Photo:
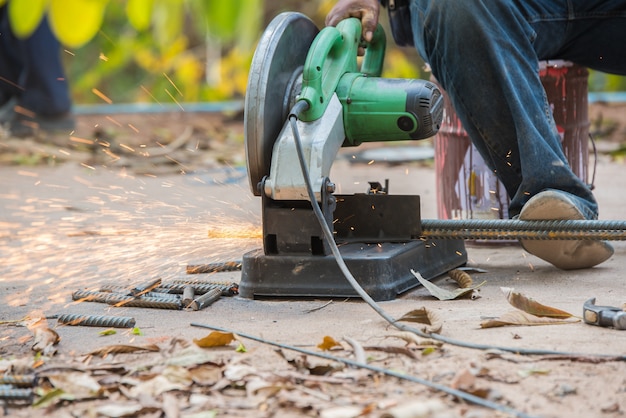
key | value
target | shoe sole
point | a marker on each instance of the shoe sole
(563, 254)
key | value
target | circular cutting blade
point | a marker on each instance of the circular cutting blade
(273, 83)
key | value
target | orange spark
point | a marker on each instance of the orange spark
(101, 95)
(173, 85)
(175, 101)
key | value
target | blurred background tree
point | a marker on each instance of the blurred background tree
(165, 51)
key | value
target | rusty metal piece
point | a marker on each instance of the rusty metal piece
(205, 300)
(202, 287)
(144, 287)
(462, 278)
(129, 301)
(97, 321)
(189, 294)
(13, 394)
(216, 267)
(19, 380)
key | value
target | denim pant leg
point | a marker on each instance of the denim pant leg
(485, 55)
(46, 89)
(32, 69)
(10, 65)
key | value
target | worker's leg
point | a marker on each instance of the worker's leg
(32, 76)
(485, 54)
(10, 66)
(46, 90)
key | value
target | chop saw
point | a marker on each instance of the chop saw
(341, 101)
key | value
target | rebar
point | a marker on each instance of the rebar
(97, 321)
(145, 287)
(205, 300)
(18, 380)
(216, 267)
(189, 293)
(129, 301)
(12, 394)
(156, 293)
(200, 287)
(505, 229)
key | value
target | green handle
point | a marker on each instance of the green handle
(374, 57)
(333, 53)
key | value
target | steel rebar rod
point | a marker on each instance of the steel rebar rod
(505, 229)
(97, 321)
(200, 287)
(216, 267)
(126, 301)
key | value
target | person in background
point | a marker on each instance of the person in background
(34, 93)
(485, 54)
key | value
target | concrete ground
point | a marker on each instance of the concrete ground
(74, 227)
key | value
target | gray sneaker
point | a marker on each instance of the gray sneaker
(564, 254)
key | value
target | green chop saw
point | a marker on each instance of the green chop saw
(342, 104)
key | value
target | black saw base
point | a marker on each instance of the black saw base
(383, 270)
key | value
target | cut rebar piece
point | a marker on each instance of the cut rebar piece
(189, 294)
(129, 301)
(201, 287)
(216, 267)
(16, 395)
(506, 229)
(155, 293)
(145, 287)
(205, 300)
(18, 380)
(97, 321)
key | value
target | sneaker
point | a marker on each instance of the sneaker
(26, 124)
(564, 254)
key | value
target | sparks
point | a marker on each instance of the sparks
(101, 95)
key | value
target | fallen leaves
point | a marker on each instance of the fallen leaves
(530, 312)
(45, 339)
(445, 294)
(431, 321)
(124, 349)
(531, 306)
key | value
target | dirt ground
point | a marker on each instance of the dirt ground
(131, 198)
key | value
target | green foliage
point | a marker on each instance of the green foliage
(177, 55)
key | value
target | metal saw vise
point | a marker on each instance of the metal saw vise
(378, 234)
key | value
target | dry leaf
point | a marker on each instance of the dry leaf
(444, 294)
(75, 385)
(123, 349)
(532, 307)
(431, 319)
(328, 343)
(126, 409)
(462, 278)
(45, 338)
(523, 318)
(432, 408)
(191, 356)
(215, 339)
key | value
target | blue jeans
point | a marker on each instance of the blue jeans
(486, 53)
(31, 69)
